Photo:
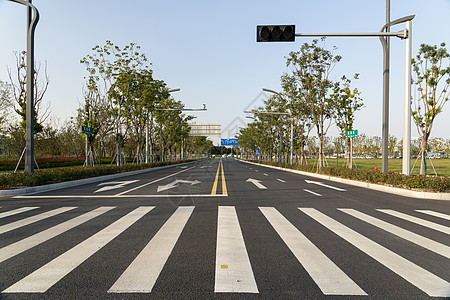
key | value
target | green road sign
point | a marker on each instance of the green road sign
(351, 133)
(86, 130)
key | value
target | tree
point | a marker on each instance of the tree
(311, 67)
(6, 103)
(114, 74)
(20, 93)
(432, 78)
(300, 113)
(347, 102)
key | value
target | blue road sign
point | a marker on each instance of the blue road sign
(229, 142)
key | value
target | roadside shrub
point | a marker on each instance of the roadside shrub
(424, 183)
(42, 177)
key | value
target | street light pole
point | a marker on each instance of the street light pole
(407, 104)
(32, 20)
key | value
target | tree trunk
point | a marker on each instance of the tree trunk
(423, 159)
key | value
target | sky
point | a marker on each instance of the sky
(209, 50)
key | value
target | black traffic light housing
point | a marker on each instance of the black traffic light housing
(275, 33)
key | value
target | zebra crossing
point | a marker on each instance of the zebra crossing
(234, 271)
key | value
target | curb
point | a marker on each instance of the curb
(62, 185)
(367, 185)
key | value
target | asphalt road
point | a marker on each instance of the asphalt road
(221, 228)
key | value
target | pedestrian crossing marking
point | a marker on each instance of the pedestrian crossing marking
(142, 273)
(421, 278)
(45, 277)
(233, 269)
(405, 234)
(16, 211)
(416, 220)
(435, 214)
(329, 278)
(231, 251)
(34, 219)
(34, 240)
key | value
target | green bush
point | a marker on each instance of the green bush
(42, 177)
(424, 183)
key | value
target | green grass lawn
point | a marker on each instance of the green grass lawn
(442, 165)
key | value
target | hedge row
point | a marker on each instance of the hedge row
(424, 183)
(42, 177)
(45, 163)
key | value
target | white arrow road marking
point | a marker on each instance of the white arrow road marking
(311, 192)
(175, 184)
(116, 185)
(257, 183)
(325, 185)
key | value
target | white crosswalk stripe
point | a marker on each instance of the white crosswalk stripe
(405, 234)
(330, 279)
(42, 279)
(141, 275)
(234, 272)
(416, 220)
(33, 219)
(34, 240)
(421, 278)
(435, 214)
(16, 211)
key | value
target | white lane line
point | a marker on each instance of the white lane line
(280, 180)
(154, 181)
(33, 219)
(434, 214)
(404, 234)
(45, 277)
(421, 278)
(142, 273)
(416, 220)
(311, 192)
(329, 278)
(234, 272)
(256, 171)
(265, 174)
(16, 211)
(34, 240)
(325, 185)
(121, 196)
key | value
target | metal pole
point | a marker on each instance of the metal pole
(385, 124)
(407, 103)
(351, 153)
(87, 148)
(31, 26)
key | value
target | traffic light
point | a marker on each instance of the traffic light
(275, 33)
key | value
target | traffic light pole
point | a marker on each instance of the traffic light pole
(272, 34)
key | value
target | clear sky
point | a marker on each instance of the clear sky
(209, 49)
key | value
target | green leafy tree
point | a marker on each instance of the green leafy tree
(347, 101)
(311, 67)
(432, 77)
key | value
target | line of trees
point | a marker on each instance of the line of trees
(315, 102)
(122, 100)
